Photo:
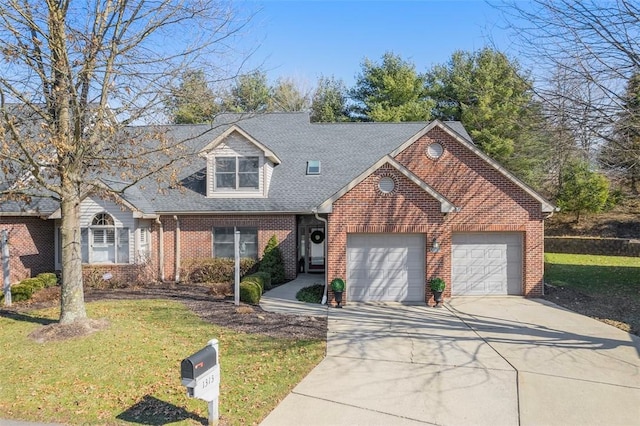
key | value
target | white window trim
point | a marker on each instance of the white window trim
(237, 175)
(116, 240)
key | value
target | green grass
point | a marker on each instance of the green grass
(130, 372)
(311, 294)
(594, 275)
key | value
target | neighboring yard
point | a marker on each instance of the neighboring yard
(130, 372)
(603, 287)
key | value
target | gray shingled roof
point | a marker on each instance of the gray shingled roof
(345, 150)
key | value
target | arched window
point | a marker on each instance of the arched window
(102, 219)
(104, 242)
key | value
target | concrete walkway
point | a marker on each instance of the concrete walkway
(282, 299)
(479, 361)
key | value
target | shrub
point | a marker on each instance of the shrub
(255, 279)
(215, 270)
(35, 283)
(266, 279)
(49, 279)
(250, 292)
(20, 292)
(437, 284)
(337, 285)
(272, 262)
(311, 294)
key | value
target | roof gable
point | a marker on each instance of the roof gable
(236, 129)
(546, 205)
(446, 206)
(139, 210)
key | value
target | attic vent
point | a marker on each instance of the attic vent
(386, 184)
(435, 151)
(313, 167)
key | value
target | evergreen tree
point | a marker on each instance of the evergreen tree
(250, 93)
(329, 104)
(193, 101)
(272, 261)
(390, 91)
(582, 190)
(493, 98)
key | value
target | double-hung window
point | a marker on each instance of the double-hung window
(103, 242)
(237, 173)
(223, 242)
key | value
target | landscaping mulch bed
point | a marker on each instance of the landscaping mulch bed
(616, 310)
(216, 309)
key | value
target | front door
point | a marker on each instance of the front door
(312, 248)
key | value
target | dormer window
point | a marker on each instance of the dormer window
(313, 167)
(237, 173)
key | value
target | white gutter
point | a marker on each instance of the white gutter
(160, 249)
(326, 257)
(177, 271)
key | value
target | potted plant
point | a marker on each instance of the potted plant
(337, 285)
(437, 288)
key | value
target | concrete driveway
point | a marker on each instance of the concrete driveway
(478, 361)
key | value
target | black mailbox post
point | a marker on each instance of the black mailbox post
(199, 363)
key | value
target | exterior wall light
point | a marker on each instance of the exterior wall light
(435, 246)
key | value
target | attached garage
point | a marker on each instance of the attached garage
(486, 263)
(386, 267)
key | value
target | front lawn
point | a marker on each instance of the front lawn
(130, 372)
(596, 275)
(603, 287)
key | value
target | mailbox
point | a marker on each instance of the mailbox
(201, 373)
(199, 363)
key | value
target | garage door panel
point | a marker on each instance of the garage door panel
(396, 274)
(486, 263)
(357, 256)
(394, 265)
(359, 274)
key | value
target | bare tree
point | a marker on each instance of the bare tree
(73, 75)
(593, 45)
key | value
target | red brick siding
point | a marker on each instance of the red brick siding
(196, 237)
(31, 246)
(488, 200)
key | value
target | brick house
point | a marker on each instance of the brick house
(387, 206)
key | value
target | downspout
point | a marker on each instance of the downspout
(326, 253)
(160, 249)
(177, 274)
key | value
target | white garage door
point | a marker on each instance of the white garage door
(486, 263)
(385, 267)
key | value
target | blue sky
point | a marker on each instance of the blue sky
(304, 39)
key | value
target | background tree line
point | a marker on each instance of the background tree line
(539, 138)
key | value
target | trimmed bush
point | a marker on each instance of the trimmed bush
(272, 261)
(20, 292)
(266, 279)
(50, 279)
(35, 283)
(311, 294)
(250, 292)
(253, 278)
(215, 270)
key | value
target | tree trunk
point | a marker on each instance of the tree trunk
(72, 297)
